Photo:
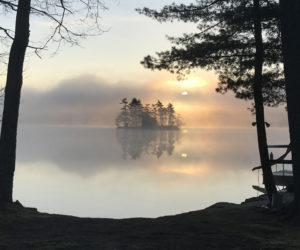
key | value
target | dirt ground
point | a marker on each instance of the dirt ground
(221, 226)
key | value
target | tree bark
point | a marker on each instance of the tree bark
(12, 100)
(259, 105)
(290, 20)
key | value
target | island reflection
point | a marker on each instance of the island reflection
(166, 171)
(135, 142)
(90, 151)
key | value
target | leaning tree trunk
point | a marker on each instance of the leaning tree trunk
(12, 100)
(259, 105)
(290, 19)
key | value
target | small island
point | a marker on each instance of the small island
(135, 115)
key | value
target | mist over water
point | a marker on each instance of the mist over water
(119, 173)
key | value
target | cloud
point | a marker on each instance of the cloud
(85, 100)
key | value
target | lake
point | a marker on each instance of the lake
(96, 172)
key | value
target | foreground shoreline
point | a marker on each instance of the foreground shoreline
(220, 226)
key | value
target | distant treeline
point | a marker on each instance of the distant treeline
(136, 115)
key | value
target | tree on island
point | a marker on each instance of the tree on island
(154, 116)
(59, 14)
(240, 41)
(136, 110)
(171, 118)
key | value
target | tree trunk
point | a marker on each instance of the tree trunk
(259, 105)
(290, 19)
(12, 100)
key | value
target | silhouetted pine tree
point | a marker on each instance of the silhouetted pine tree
(240, 40)
(161, 112)
(171, 115)
(291, 51)
(123, 120)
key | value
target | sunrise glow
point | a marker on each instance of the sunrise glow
(194, 82)
(126, 124)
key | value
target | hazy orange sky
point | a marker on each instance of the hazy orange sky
(83, 85)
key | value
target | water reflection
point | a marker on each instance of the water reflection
(135, 142)
(165, 172)
(87, 151)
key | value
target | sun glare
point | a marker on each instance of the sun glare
(192, 82)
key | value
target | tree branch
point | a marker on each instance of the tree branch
(13, 6)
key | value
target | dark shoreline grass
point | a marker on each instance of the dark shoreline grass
(221, 226)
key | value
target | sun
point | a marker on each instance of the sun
(189, 85)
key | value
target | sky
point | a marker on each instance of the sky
(83, 85)
(68, 95)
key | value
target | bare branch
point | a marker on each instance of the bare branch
(62, 14)
(11, 5)
(6, 31)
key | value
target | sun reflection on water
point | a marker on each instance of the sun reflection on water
(184, 155)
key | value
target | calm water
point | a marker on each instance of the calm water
(117, 173)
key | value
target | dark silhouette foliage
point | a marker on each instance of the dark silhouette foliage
(240, 40)
(154, 116)
(290, 19)
(224, 43)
